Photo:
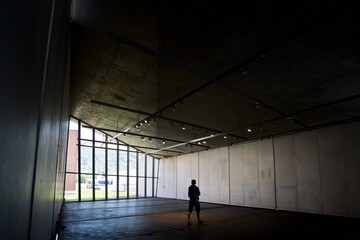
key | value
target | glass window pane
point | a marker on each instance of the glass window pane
(85, 132)
(141, 164)
(100, 187)
(86, 159)
(112, 187)
(86, 143)
(99, 161)
(141, 186)
(122, 187)
(112, 146)
(71, 187)
(74, 124)
(86, 187)
(72, 151)
(149, 187)
(100, 145)
(132, 187)
(122, 147)
(132, 164)
(122, 163)
(112, 162)
(149, 166)
(99, 136)
(156, 167)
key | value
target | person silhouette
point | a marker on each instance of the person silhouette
(193, 194)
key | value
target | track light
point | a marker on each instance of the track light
(150, 139)
(249, 130)
(199, 143)
(183, 127)
(173, 109)
(257, 104)
(204, 142)
(225, 136)
(142, 138)
(290, 119)
(212, 134)
(163, 141)
(145, 121)
(242, 71)
(141, 123)
(136, 126)
(264, 57)
(138, 129)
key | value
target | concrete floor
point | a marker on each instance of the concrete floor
(159, 218)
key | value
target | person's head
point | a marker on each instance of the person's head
(193, 182)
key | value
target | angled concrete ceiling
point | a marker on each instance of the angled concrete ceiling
(214, 69)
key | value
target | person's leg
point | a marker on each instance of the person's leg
(189, 212)
(197, 207)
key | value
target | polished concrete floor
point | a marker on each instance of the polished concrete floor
(159, 218)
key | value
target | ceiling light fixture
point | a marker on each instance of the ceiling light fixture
(141, 123)
(199, 142)
(183, 127)
(249, 130)
(225, 136)
(145, 121)
(204, 141)
(242, 71)
(290, 119)
(150, 139)
(163, 141)
(142, 138)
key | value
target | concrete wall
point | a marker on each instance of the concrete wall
(315, 172)
(34, 116)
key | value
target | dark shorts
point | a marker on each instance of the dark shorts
(197, 207)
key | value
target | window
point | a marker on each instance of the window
(98, 167)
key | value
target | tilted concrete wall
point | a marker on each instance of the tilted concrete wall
(315, 172)
(34, 119)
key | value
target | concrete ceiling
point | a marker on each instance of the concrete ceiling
(273, 67)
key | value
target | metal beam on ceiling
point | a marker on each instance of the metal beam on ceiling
(147, 136)
(160, 117)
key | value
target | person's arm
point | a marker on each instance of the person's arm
(189, 192)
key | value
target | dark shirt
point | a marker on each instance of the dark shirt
(194, 194)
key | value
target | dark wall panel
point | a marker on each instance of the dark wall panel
(24, 27)
(50, 137)
(29, 146)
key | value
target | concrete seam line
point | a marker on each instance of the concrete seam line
(39, 117)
